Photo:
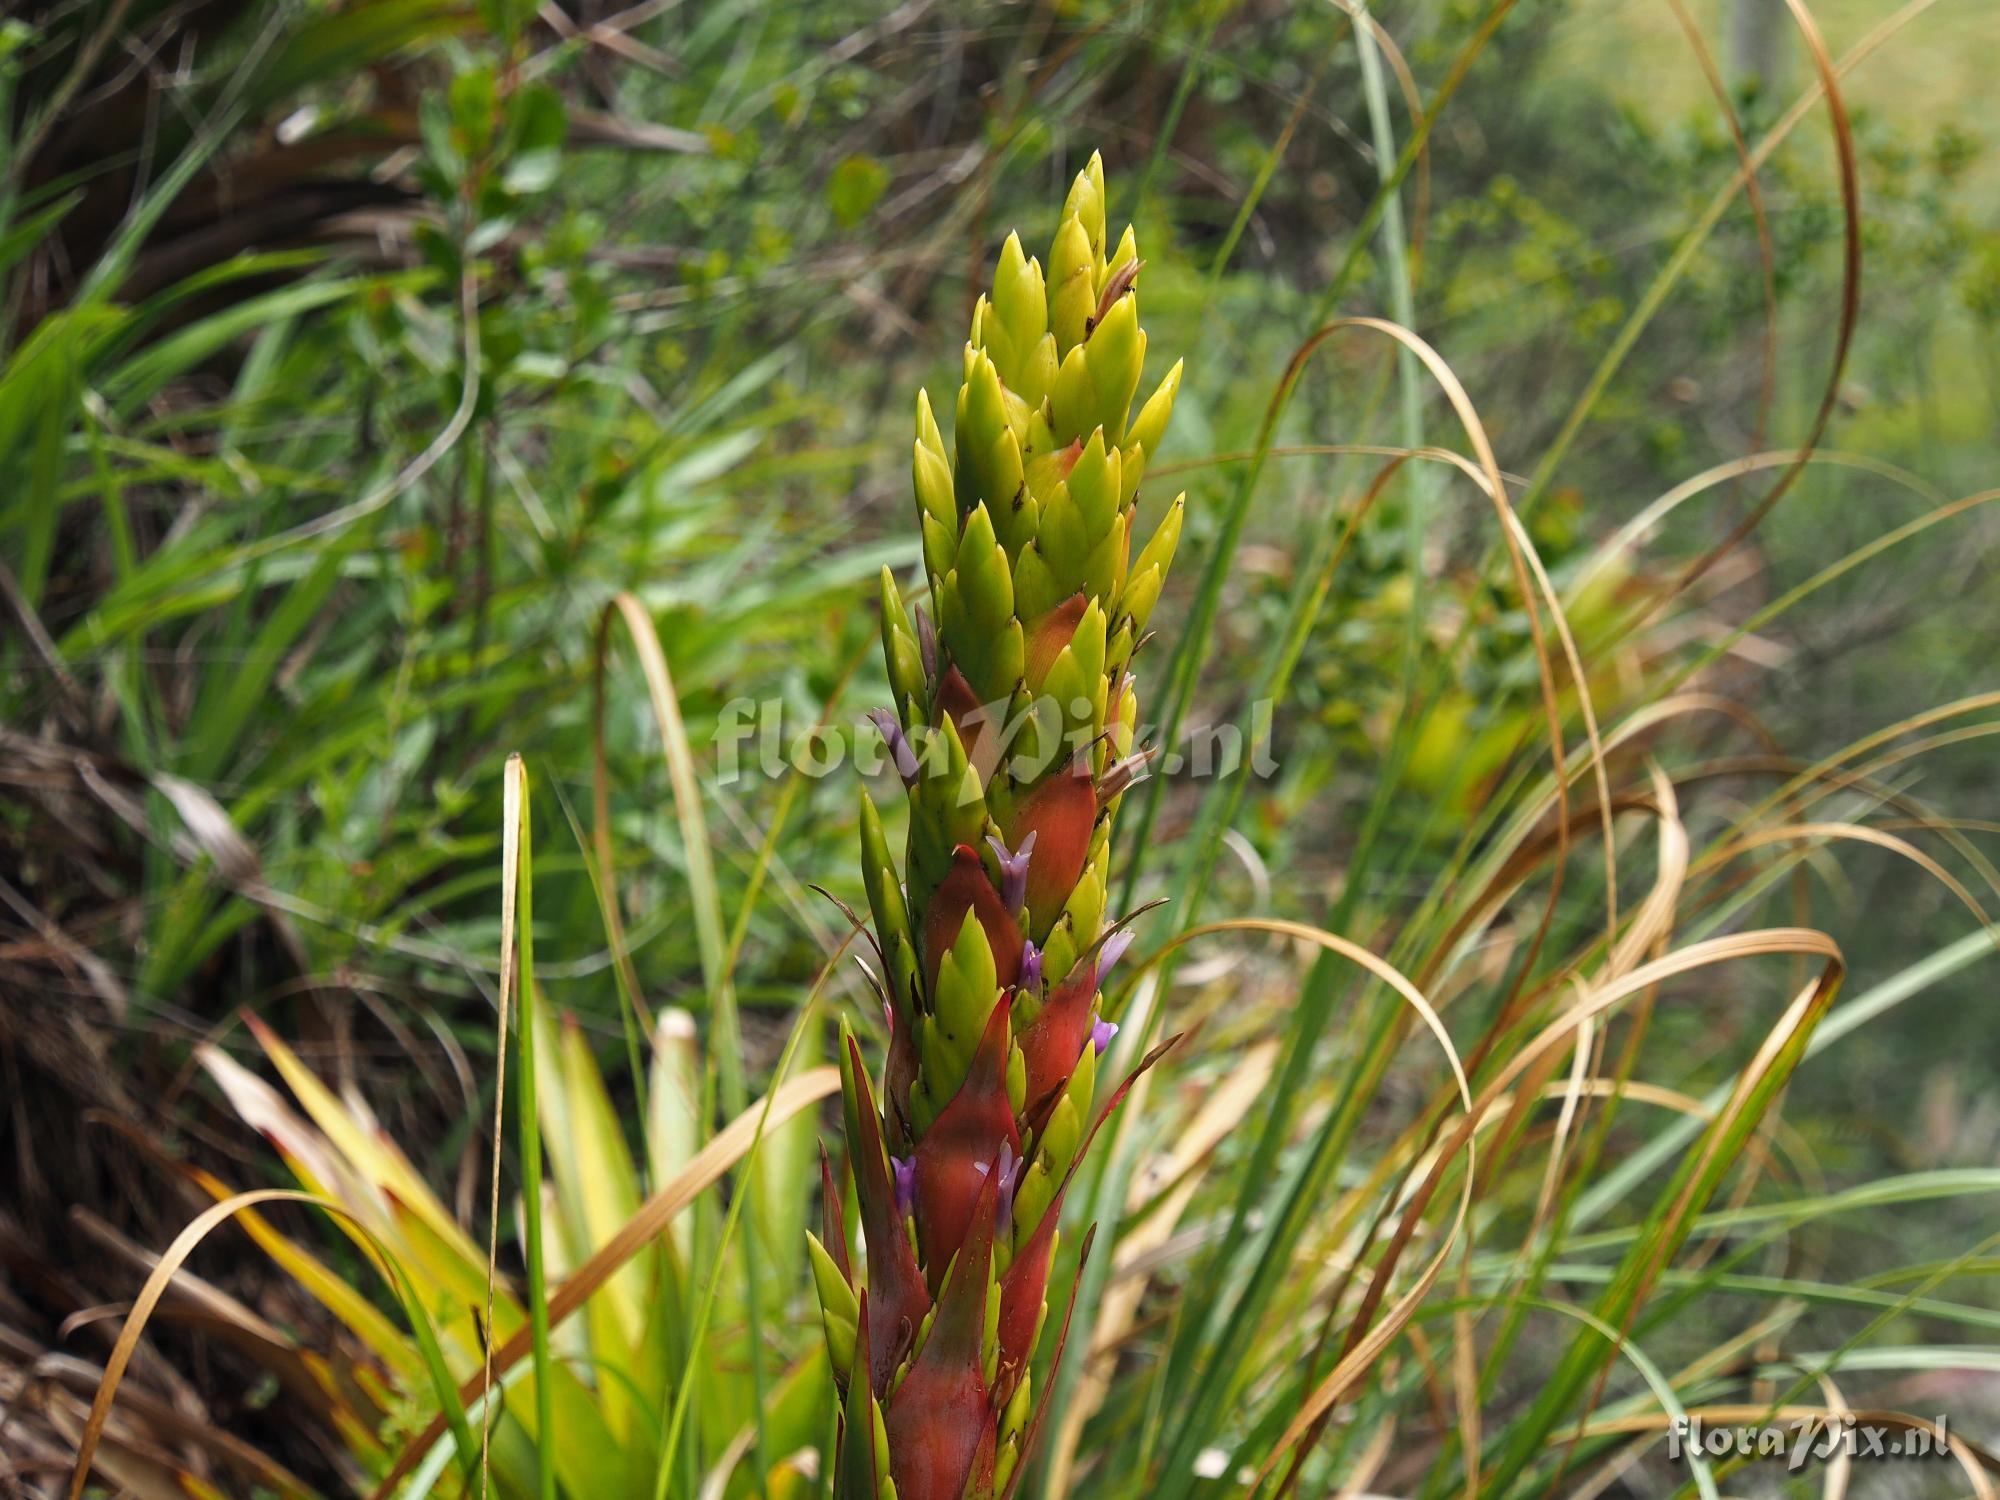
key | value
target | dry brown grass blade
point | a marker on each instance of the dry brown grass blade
(130, 1456)
(1572, 1095)
(1628, 536)
(1918, 817)
(149, 1298)
(1413, 101)
(1330, 450)
(81, 1378)
(1681, 705)
(1829, 771)
(1860, 833)
(1496, 1112)
(1762, 943)
(1168, 1184)
(1364, 1350)
(1573, 658)
(1754, 194)
(193, 1302)
(1652, 925)
(1531, 844)
(1368, 1462)
(1850, 288)
(1370, 1337)
(1788, 1035)
(1380, 967)
(1369, 1345)
(1519, 551)
(1838, 1471)
(728, 1146)
(1637, 1091)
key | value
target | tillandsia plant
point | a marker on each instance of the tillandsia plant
(1013, 731)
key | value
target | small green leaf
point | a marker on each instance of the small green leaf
(533, 171)
(855, 187)
(475, 101)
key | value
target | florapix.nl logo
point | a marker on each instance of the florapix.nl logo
(1814, 1439)
(771, 738)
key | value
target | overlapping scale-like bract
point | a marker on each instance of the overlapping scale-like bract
(1013, 731)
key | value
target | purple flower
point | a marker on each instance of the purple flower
(1113, 950)
(1013, 872)
(905, 1171)
(1101, 1034)
(899, 745)
(1031, 967)
(1010, 1177)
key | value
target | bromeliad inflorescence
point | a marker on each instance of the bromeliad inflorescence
(1013, 731)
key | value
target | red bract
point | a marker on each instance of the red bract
(1022, 1290)
(978, 729)
(1047, 636)
(1061, 814)
(954, 1167)
(941, 1434)
(966, 888)
(899, 1298)
(1051, 1046)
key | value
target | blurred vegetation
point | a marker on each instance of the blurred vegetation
(357, 357)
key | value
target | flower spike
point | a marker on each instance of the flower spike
(1015, 685)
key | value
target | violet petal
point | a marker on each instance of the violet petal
(1101, 1035)
(1013, 872)
(898, 743)
(1031, 967)
(1010, 1177)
